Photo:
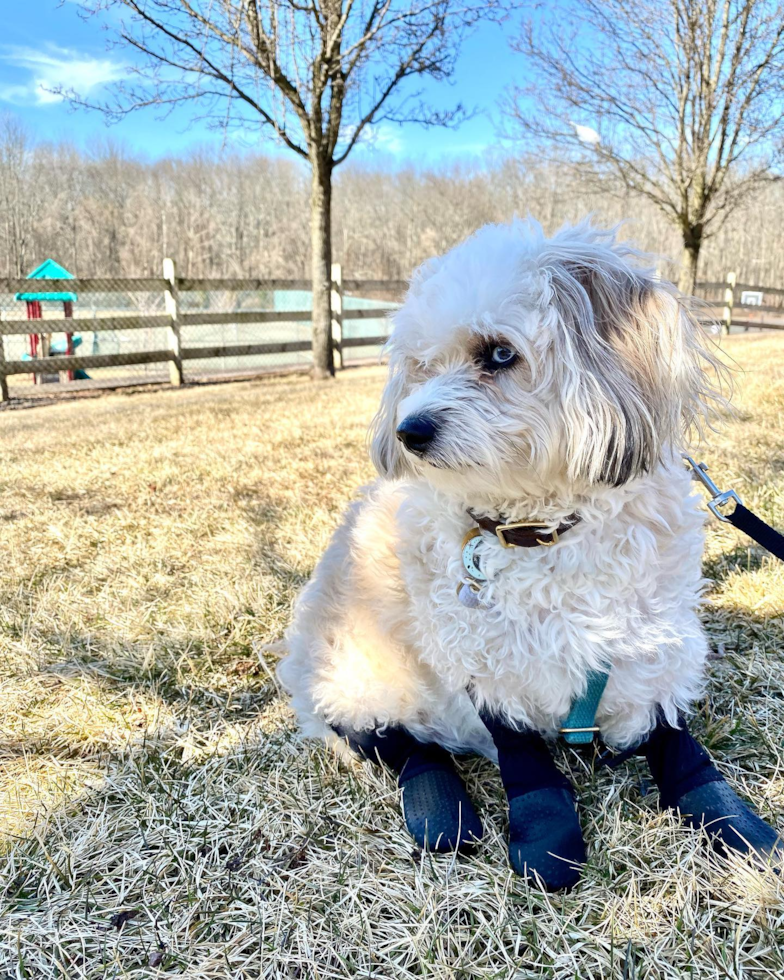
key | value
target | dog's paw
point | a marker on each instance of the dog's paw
(438, 812)
(545, 840)
(731, 823)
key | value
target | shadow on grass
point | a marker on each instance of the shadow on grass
(108, 700)
(741, 558)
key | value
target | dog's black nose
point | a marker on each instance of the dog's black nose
(417, 432)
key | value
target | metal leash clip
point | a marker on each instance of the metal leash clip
(719, 498)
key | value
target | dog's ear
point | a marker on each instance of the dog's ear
(635, 359)
(385, 452)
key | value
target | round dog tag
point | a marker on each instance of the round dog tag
(468, 597)
(470, 556)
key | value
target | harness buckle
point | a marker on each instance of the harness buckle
(576, 731)
(503, 528)
(719, 498)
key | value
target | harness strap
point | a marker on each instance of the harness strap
(580, 724)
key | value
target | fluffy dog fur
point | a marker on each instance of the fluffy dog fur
(610, 377)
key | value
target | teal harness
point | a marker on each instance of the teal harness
(580, 726)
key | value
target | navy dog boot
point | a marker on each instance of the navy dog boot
(436, 807)
(545, 840)
(690, 783)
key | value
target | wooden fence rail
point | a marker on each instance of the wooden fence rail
(9, 328)
(76, 362)
(84, 285)
(176, 352)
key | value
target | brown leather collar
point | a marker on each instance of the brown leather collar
(526, 534)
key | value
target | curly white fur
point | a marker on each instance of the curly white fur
(610, 375)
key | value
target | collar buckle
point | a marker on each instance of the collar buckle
(503, 528)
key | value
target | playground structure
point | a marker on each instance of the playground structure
(40, 341)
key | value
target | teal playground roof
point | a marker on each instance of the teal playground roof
(49, 270)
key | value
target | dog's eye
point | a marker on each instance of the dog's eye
(494, 357)
(502, 355)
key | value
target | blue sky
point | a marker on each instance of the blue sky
(46, 43)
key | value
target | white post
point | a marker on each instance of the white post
(172, 301)
(337, 312)
(729, 301)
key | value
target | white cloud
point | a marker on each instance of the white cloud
(14, 93)
(52, 68)
(386, 138)
(586, 135)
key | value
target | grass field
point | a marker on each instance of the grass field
(159, 816)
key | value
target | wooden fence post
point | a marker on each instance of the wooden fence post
(729, 301)
(337, 312)
(172, 303)
(3, 376)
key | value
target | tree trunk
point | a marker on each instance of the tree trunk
(321, 264)
(692, 243)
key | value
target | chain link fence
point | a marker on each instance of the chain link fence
(109, 325)
(73, 334)
(367, 308)
(214, 318)
(64, 334)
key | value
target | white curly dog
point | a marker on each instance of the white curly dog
(532, 528)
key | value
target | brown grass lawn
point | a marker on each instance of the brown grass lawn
(159, 815)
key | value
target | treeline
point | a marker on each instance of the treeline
(106, 212)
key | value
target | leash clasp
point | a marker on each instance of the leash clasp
(719, 498)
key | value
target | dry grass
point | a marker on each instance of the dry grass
(160, 817)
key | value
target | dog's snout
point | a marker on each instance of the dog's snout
(416, 432)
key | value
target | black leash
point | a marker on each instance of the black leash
(741, 517)
(762, 533)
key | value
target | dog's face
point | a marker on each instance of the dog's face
(521, 362)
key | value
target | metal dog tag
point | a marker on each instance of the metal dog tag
(468, 597)
(470, 557)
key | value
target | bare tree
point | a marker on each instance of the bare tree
(20, 197)
(314, 74)
(681, 101)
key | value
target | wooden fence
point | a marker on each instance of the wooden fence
(175, 353)
(733, 303)
(743, 305)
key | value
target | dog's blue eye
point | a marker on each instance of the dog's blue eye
(494, 357)
(502, 355)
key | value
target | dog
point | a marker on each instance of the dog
(532, 531)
